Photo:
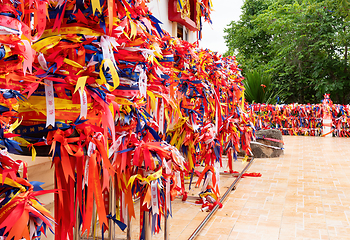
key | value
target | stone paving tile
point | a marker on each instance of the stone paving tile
(304, 194)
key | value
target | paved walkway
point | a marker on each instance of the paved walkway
(305, 194)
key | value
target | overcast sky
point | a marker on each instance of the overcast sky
(224, 12)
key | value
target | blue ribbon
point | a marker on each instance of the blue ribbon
(156, 23)
(37, 185)
(120, 224)
(11, 145)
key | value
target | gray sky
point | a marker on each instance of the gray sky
(224, 12)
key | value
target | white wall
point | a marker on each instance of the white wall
(159, 8)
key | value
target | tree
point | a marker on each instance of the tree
(246, 40)
(307, 48)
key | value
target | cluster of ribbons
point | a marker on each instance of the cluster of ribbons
(21, 214)
(292, 119)
(121, 106)
(341, 120)
(302, 119)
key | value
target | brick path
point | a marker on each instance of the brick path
(305, 194)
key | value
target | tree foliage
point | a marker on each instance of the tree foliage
(302, 44)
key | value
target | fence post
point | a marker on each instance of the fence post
(128, 230)
(147, 226)
(77, 220)
(111, 208)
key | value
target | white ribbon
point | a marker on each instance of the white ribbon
(119, 31)
(167, 185)
(147, 23)
(155, 111)
(50, 103)
(107, 51)
(217, 174)
(159, 72)
(178, 177)
(4, 152)
(161, 117)
(142, 80)
(31, 229)
(258, 143)
(86, 172)
(207, 180)
(60, 3)
(91, 149)
(83, 103)
(154, 197)
(116, 145)
(6, 31)
(42, 61)
(91, 62)
(217, 120)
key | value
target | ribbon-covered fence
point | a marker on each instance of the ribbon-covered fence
(124, 110)
(324, 119)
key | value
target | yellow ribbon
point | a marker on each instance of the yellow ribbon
(155, 176)
(7, 51)
(33, 153)
(174, 139)
(113, 72)
(38, 206)
(242, 100)
(81, 84)
(138, 176)
(38, 104)
(72, 63)
(123, 101)
(21, 141)
(47, 43)
(245, 159)
(133, 29)
(14, 125)
(10, 182)
(96, 6)
(148, 179)
(153, 99)
(71, 30)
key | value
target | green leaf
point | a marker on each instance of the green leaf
(302, 45)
